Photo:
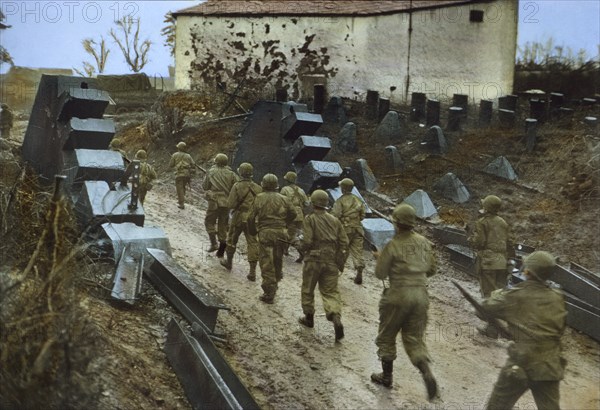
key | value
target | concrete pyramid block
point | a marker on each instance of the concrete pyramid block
(501, 168)
(450, 187)
(435, 140)
(363, 176)
(378, 232)
(422, 203)
(390, 128)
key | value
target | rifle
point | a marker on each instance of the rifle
(502, 330)
(200, 168)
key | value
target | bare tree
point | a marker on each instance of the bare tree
(168, 32)
(4, 54)
(128, 40)
(98, 51)
(88, 70)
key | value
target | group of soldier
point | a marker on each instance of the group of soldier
(271, 221)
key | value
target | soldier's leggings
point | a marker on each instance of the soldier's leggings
(180, 183)
(355, 248)
(216, 221)
(233, 237)
(490, 280)
(404, 310)
(326, 275)
(509, 389)
(270, 257)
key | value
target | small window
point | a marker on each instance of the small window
(476, 16)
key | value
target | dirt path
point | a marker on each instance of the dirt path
(287, 366)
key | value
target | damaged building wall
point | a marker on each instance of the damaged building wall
(354, 53)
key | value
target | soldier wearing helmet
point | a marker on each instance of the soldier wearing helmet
(239, 202)
(116, 145)
(184, 168)
(6, 121)
(324, 238)
(269, 216)
(406, 261)
(491, 240)
(351, 211)
(299, 200)
(147, 175)
(536, 314)
(217, 186)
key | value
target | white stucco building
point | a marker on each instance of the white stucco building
(394, 47)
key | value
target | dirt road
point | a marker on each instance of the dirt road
(286, 366)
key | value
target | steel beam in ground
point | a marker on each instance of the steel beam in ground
(128, 277)
(585, 273)
(194, 301)
(207, 379)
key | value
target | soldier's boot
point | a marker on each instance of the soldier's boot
(338, 327)
(359, 277)
(214, 245)
(286, 250)
(300, 257)
(308, 320)
(384, 378)
(228, 262)
(429, 380)
(266, 298)
(252, 274)
(221, 250)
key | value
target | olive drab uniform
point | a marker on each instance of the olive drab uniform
(351, 211)
(6, 121)
(240, 202)
(217, 186)
(184, 168)
(147, 175)
(491, 241)
(536, 315)
(269, 216)
(299, 200)
(407, 260)
(324, 237)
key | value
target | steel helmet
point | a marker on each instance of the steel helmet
(319, 198)
(404, 214)
(141, 155)
(181, 146)
(245, 170)
(346, 184)
(270, 182)
(541, 263)
(491, 204)
(115, 143)
(221, 160)
(290, 177)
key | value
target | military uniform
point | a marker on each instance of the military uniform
(269, 217)
(491, 241)
(184, 168)
(6, 121)
(217, 185)
(115, 145)
(351, 211)
(324, 238)
(407, 260)
(536, 315)
(299, 200)
(240, 201)
(147, 175)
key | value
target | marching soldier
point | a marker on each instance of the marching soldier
(217, 185)
(299, 200)
(491, 241)
(147, 175)
(351, 211)
(536, 313)
(269, 217)
(184, 168)
(6, 121)
(324, 242)
(116, 145)
(407, 260)
(239, 202)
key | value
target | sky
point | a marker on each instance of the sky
(49, 33)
